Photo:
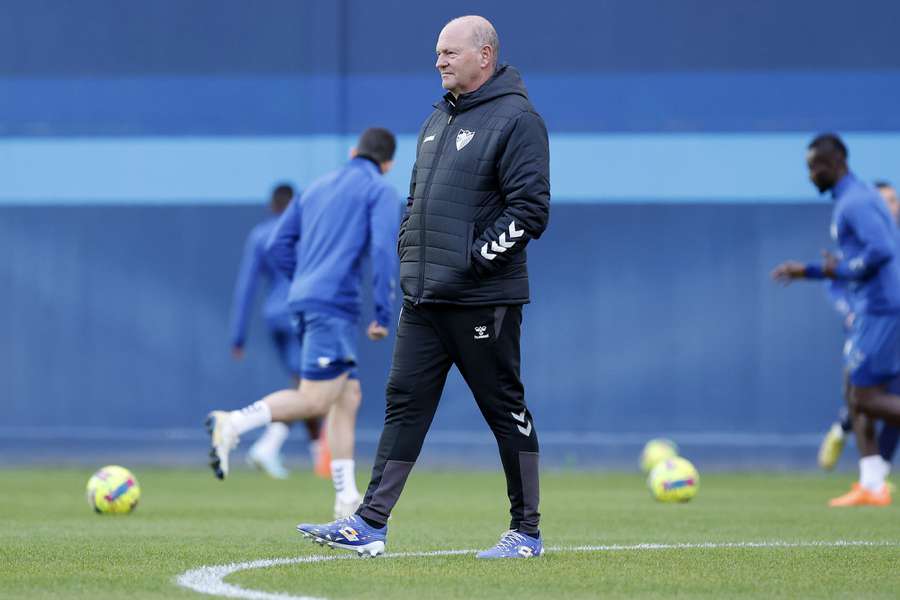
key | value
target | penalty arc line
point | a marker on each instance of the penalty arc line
(210, 579)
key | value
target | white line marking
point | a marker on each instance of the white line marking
(209, 580)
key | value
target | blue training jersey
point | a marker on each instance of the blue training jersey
(324, 235)
(255, 265)
(866, 235)
(839, 296)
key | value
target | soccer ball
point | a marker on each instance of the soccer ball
(674, 480)
(113, 490)
(657, 450)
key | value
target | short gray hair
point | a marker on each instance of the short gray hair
(486, 35)
(483, 34)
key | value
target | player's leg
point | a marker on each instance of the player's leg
(879, 403)
(327, 358)
(887, 442)
(265, 453)
(418, 371)
(872, 361)
(833, 443)
(889, 434)
(485, 347)
(292, 360)
(341, 440)
(313, 398)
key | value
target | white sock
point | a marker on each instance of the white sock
(872, 472)
(251, 417)
(344, 478)
(272, 439)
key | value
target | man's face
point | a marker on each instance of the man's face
(823, 170)
(458, 60)
(890, 198)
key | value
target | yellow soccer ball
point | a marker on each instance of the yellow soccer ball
(674, 480)
(657, 450)
(113, 490)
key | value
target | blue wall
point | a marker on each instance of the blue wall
(137, 142)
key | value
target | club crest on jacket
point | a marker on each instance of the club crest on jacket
(463, 137)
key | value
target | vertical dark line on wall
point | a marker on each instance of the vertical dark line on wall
(343, 68)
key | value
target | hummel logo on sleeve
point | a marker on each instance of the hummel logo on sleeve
(502, 245)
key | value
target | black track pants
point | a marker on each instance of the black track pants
(483, 342)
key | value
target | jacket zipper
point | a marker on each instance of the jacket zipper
(422, 231)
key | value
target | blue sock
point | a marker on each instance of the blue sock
(887, 442)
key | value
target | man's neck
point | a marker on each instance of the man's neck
(483, 81)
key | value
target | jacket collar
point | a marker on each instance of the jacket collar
(843, 184)
(506, 80)
(366, 163)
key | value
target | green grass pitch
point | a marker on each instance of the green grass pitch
(53, 546)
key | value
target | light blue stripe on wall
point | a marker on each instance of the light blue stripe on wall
(584, 168)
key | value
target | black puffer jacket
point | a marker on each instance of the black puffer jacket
(480, 191)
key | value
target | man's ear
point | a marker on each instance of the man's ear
(487, 56)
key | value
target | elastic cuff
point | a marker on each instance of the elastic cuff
(813, 272)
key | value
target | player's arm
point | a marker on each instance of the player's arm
(877, 241)
(281, 248)
(245, 292)
(383, 225)
(524, 174)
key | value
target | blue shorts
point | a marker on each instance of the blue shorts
(287, 345)
(328, 346)
(872, 354)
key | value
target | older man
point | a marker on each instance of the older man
(479, 193)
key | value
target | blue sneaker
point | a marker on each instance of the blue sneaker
(513, 544)
(350, 533)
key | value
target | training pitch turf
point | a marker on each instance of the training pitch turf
(53, 546)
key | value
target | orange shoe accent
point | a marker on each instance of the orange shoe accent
(860, 496)
(322, 468)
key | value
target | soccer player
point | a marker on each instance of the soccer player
(833, 443)
(866, 235)
(480, 191)
(265, 454)
(320, 242)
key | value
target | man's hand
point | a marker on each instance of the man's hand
(237, 353)
(376, 332)
(788, 271)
